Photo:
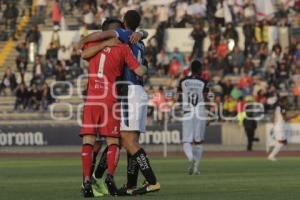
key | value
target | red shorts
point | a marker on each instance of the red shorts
(100, 119)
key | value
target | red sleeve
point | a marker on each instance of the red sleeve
(130, 59)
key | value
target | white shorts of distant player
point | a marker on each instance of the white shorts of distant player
(280, 139)
(134, 115)
(194, 125)
(279, 131)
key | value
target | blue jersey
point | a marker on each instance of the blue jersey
(138, 51)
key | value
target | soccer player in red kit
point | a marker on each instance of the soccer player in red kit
(101, 112)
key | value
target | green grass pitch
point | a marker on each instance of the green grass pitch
(58, 178)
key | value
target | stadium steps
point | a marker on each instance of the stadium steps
(17, 116)
(56, 106)
(37, 122)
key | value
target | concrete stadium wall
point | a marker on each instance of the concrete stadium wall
(175, 37)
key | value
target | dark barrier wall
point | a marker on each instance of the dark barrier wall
(68, 135)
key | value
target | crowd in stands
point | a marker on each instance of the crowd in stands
(257, 72)
(172, 13)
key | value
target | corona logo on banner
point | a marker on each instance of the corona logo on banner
(22, 139)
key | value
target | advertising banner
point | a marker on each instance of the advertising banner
(68, 135)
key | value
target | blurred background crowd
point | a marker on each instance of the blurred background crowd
(257, 72)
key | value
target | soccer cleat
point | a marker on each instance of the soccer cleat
(147, 189)
(197, 172)
(99, 188)
(125, 191)
(191, 167)
(111, 186)
(87, 190)
(272, 159)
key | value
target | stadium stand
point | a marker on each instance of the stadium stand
(258, 71)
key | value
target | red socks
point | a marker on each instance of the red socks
(113, 154)
(87, 158)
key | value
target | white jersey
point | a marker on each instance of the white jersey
(193, 90)
(279, 125)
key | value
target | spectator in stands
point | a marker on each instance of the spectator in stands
(64, 55)
(159, 101)
(10, 16)
(22, 58)
(181, 14)
(162, 14)
(49, 68)
(3, 34)
(60, 72)
(262, 53)
(296, 87)
(33, 37)
(231, 33)
(178, 55)
(21, 96)
(152, 51)
(198, 35)
(55, 38)
(297, 53)
(229, 107)
(175, 68)
(227, 87)
(197, 9)
(56, 13)
(163, 62)
(249, 67)
(249, 33)
(52, 53)
(249, 11)
(262, 31)
(236, 59)
(8, 83)
(160, 36)
(38, 72)
(34, 98)
(75, 56)
(220, 13)
(46, 98)
(41, 10)
(88, 16)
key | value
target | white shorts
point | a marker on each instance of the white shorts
(279, 132)
(134, 110)
(194, 127)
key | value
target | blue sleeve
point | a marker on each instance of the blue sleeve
(123, 35)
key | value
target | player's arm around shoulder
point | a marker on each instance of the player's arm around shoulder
(98, 36)
(132, 61)
(91, 51)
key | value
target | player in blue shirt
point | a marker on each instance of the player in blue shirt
(134, 99)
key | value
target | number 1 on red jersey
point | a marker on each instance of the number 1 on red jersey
(101, 65)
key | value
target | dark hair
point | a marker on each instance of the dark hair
(132, 19)
(196, 67)
(108, 21)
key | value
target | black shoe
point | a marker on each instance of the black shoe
(256, 140)
(125, 191)
(111, 186)
(87, 190)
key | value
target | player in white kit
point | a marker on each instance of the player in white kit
(279, 131)
(193, 93)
